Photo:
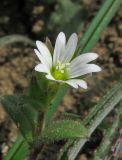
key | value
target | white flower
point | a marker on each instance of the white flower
(61, 67)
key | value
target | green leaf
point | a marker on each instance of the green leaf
(109, 135)
(20, 115)
(63, 129)
(35, 104)
(18, 151)
(97, 108)
(100, 111)
(31, 115)
(94, 118)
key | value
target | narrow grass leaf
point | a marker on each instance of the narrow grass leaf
(108, 106)
(18, 151)
(98, 25)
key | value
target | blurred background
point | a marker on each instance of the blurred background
(37, 19)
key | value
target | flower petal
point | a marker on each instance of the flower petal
(70, 48)
(83, 59)
(87, 68)
(44, 52)
(59, 47)
(77, 82)
(41, 68)
(72, 83)
(81, 83)
(38, 55)
(42, 59)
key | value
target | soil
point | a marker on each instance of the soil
(18, 60)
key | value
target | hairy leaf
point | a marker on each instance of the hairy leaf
(22, 115)
(63, 129)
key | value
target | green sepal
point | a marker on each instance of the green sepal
(36, 89)
(49, 45)
(48, 88)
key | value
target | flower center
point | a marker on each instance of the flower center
(60, 71)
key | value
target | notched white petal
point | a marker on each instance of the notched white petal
(81, 83)
(44, 52)
(38, 54)
(70, 48)
(59, 47)
(42, 59)
(95, 68)
(42, 48)
(87, 68)
(41, 68)
(77, 83)
(72, 83)
(83, 59)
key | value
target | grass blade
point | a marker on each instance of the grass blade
(18, 151)
(110, 103)
(109, 135)
(98, 25)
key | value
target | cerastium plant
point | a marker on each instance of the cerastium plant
(58, 68)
